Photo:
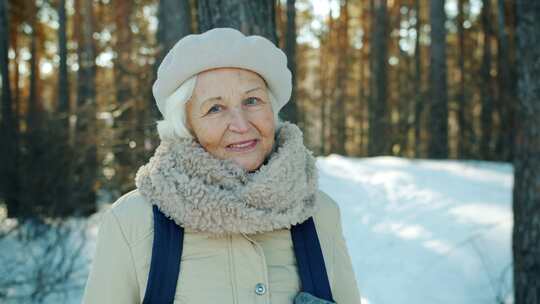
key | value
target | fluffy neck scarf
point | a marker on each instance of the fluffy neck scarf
(205, 194)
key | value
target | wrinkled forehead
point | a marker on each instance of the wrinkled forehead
(214, 82)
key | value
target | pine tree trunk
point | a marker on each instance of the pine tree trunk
(462, 100)
(249, 17)
(323, 84)
(526, 194)
(125, 76)
(86, 127)
(174, 22)
(378, 122)
(339, 117)
(290, 110)
(16, 92)
(438, 145)
(506, 85)
(63, 82)
(9, 188)
(361, 106)
(419, 100)
(486, 88)
(34, 114)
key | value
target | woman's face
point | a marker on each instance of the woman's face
(231, 116)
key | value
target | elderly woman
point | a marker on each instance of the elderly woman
(236, 185)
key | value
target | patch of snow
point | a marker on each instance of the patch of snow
(425, 231)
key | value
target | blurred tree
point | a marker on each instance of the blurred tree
(9, 186)
(438, 142)
(34, 115)
(86, 166)
(338, 136)
(526, 195)
(361, 105)
(290, 110)
(486, 85)
(63, 77)
(127, 134)
(419, 91)
(506, 83)
(378, 103)
(324, 68)
(249, 17)
(462, 95)
(174, 22)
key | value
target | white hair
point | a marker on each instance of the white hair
(174, 124)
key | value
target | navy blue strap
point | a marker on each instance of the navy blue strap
(310, 261)
(165, 264)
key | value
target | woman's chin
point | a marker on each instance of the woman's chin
(247, 163)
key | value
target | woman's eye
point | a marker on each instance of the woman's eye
(214, 109)
(252, 101)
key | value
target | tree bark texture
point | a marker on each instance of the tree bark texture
(290, 110)
(438, 145)
(486, 87)
(526, 193)
(9, 189)
(248, 16)
(378, 105)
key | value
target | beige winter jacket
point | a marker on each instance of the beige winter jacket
(213, 270)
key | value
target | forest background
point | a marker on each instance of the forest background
(410, 78)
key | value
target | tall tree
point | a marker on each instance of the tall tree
(438, 143)
(461, 95)
(125, 78)
(419, 98)
(378, 121)
(34, 116)
(363, 62)
(86, 53)
(338, 118)
(249, 17)
(486, 87)
(86, 127)
(8, 125)
(526, 193)
(290, 110)
(174, 22)
(506, 84)
(323, 68)
(14, 21)
(63, 79)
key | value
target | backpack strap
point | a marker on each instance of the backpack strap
(310, 261)
(167, 253)
(165, 263)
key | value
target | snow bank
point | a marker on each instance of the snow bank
(425, 231)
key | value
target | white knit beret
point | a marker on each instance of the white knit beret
(223, 47)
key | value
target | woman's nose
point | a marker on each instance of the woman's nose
(239, 123)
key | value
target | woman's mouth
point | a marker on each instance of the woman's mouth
(245, 146)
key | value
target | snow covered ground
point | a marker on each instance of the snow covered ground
(418, 231)
(425, 231)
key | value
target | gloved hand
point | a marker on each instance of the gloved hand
(307, 298)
